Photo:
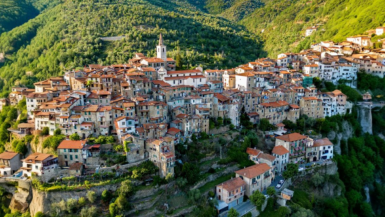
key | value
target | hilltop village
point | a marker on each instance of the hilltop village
(149, 107)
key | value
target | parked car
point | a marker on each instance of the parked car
(301, 169)
(281, 181)
(278, 186)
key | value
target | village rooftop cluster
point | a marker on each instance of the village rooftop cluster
(150, 106)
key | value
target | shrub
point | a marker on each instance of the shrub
(89, 212)
(257, 198)
(39, 214)
(211, 194)
(57, 132)
(270, 190)
(45, 131)
(106, 196)
(91, 196)
(74, 136)
(82, 201)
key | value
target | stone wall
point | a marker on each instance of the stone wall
(212, 177)
(220, 130)
(41, 201)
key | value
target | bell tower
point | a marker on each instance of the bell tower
(161, 51)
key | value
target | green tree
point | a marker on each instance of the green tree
(317, 179)
(190, 172)
(283, 211)
(57, 132)
(89, 212)
(74, 137)
(257, 198)
(45, 131)
(302, 212)
(233, 213)
(106, 196)
(232, 127)
(178, 61)
(125, 146)
(71, 205)
(82, 201)
(270, 191)
(194, 195)
(291, 171)
(125, 188)
(265, 125)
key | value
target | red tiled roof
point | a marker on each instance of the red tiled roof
(173, 131)
(8, 155)
(253, 171)
(72, 144)
(183, 71)
(291, 137)
(280, 150)
(268, 157)
(322, 142)
(253, 151)
(232, 184)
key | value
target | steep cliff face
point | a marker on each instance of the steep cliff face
(345, 133)
(21, 194)
(41, 201)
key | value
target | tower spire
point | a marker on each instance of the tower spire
(160, 39)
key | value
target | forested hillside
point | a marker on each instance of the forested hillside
(68, 36)
(283, 22)
(233, 10)
(14, 13)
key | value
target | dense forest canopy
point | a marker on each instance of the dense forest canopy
(68, 36)
(14, 13)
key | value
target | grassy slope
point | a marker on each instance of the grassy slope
(284, 22)
(67, 36)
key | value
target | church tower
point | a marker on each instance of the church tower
(161, 51)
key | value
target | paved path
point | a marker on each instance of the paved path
(320, 162)
(242, 208)
(112, 38)
(274, 183)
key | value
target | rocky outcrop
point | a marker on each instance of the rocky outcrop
(329, 189)
(41, 201)
(345, 133)
(21, 199)
(20, 192)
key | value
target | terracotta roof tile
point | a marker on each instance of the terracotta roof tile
(8, 155)
(280, 150)
(232, 184)
(72, 144)
(253, 151)
(322, 142)
(291, 137)
(253, 171)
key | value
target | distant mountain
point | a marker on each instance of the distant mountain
(282, 23)
(68, 36)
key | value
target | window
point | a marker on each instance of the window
(36, 167)
(76, 156)
(71, 157)
(65, 156)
